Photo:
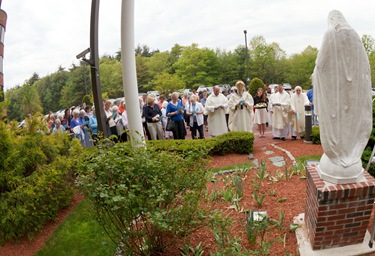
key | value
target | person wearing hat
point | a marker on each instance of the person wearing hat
(241, 109)
(215, 107)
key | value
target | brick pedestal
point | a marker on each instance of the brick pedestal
(337, 215)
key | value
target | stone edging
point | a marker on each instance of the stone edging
(291, 157)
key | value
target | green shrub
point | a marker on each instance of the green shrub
(87, 100)
(35, 177)
(255, 84)
(37, 200)
(315, 135)
(141, 195)
(238, 142)
(370, 144)
(5, 147)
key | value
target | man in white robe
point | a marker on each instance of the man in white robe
(270, 100)
(215, 107)
(280, 108)
(298, 101)
(241, 110)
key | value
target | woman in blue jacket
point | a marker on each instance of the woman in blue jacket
(93, 124)
(175, 111)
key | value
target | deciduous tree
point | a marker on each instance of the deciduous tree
(197, 66)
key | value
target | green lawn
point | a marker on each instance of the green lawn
(80, 234)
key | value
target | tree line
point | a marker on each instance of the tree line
(178, 68)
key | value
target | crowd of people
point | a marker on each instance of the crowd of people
(221, 112)
(213, 114)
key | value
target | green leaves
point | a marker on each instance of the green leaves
(258, 200)
(146, 193)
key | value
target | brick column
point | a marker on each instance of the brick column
(337, 215)
(3, 20)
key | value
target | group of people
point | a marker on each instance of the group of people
(81, 123)
(214, 114)
(287, 113)
(78, 122)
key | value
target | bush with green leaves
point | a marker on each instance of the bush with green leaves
(238, 142)
(25, 209)
(370, 145)
(35, 177)
(255, 84)
(315, 135)
(87, 99)
(143, 195)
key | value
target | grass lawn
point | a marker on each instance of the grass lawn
(80, 234)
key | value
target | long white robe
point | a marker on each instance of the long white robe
(270, 100)
(280, 120)
(342, 99)
(297, 105)
(241, 119)
(216, 122)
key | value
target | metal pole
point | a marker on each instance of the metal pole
(308, 123)
(246, 58)
(94, 64)
(129, 74)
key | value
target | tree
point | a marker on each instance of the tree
(158, 63)
(369, 43)
(264, 59)
(167, 83)
(49, 89)
(13, 96)
(30, 101)
(372, 66)
(229, 67)
(240, 58)
(111, 77)
(301, 66)
(74, 90)
(144, 50)
(175, 54)
(35, 77)
(143, 77)
(197, 66)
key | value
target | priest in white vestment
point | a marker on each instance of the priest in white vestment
(215, 107)
(270, 100)
(280, 109)
(241, 110)
(298, 101)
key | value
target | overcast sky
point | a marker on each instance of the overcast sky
(42, 35)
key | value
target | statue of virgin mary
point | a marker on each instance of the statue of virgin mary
(342, 100)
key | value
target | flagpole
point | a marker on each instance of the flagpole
(129, 73)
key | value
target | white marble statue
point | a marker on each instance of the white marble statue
(342, 99)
